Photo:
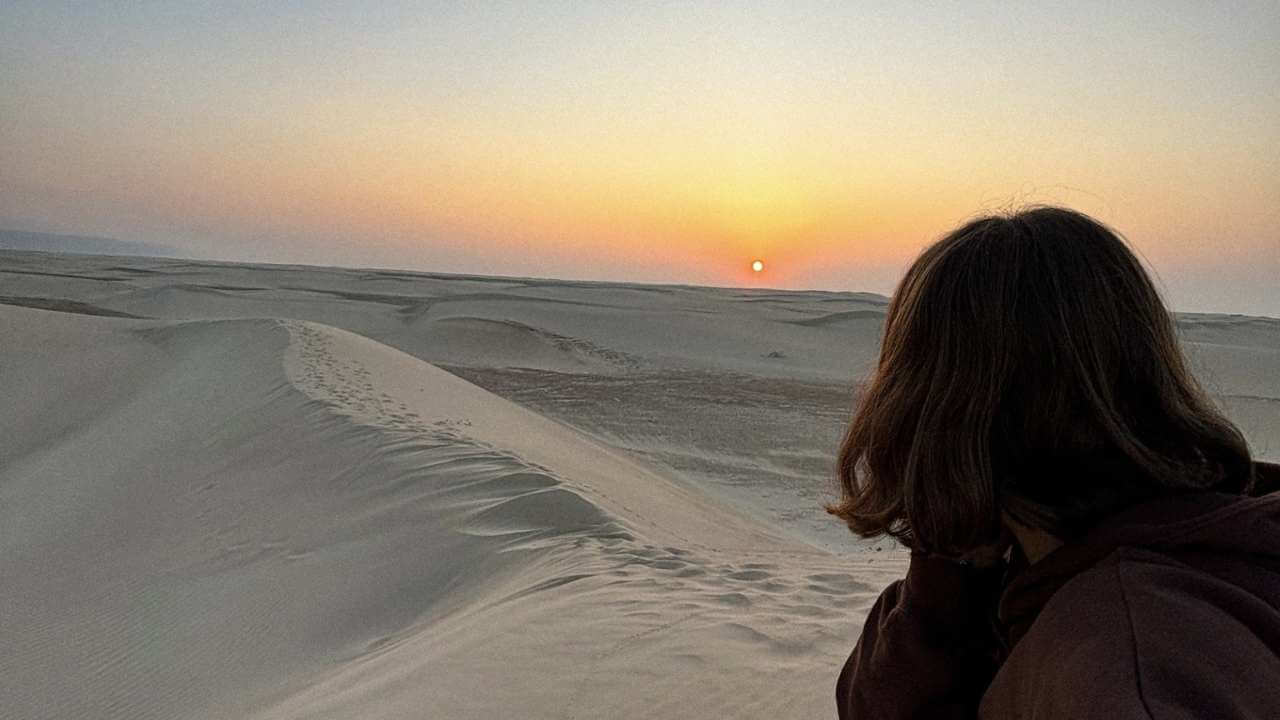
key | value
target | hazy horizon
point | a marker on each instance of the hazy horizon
(672, 143)
(168, 253)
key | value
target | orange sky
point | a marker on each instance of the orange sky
(670, 144)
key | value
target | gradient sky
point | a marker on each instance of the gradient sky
(656, 141)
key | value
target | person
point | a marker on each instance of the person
(1090, 537)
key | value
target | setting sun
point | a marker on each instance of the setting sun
(757, 266)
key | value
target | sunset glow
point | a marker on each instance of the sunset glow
(757, 266)
(648, 143)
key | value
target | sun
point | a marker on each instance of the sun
(757, 266)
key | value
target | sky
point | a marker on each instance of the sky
(664, 142)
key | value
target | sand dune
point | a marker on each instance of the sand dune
(254, 518)
(289, 492)
(741, 393)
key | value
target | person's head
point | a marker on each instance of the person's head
(1028, 366)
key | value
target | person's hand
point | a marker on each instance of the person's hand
(985, 556)
(989, 555)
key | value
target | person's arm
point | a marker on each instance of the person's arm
(928, 648)
(1266, 478)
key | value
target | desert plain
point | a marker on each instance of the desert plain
(270, 491)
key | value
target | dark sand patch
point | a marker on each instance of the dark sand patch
(837, 317)
(66, 306)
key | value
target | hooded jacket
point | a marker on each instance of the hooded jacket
(1170, 609)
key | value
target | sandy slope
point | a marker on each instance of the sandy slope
(287, 520)
(739, 393)
(638, 598)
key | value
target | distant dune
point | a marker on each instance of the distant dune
(79, 244)
(287, 492)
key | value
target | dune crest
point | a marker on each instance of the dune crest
(386, 388)
(616, 558)
(267, 519)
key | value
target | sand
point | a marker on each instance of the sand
(287, 492)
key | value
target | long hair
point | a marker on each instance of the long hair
(1029, 366)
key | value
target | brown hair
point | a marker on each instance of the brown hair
(1029, 366)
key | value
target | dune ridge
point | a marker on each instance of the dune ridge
(610, 597)
(281, 519)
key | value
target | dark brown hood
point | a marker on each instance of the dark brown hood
(1233, 537)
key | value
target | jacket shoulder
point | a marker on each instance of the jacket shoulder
(1076, 661)
(1203, 646)
(1143, 635)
